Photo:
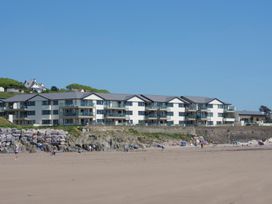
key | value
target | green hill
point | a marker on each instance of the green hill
(86, 88)
(11, 83)
(5, 123)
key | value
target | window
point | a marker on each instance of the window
(181, 114)
(55, 102)
(141, 113)
(100, 112)
(170, 113)
(210, 106)
(45, 103)
(181, 105)
(210, 122)
(210, 114)
(170, 105)
(141, 104)
(182, 122)
(55, 112)
(129, 113)
(219, 123)
(46, 112)
(30, 103)
(220, 114)
(68, 121)
(46, 122)
(220, 106)
(170, 123)
(99, 102)
(128, 103)
(55, 122)
(68, 102)
(29, 113)
(100, 121)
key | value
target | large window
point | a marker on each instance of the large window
(99, 102)
(46, 112)
(29, 113)
(55, 112)
(129, 112)
(30, 103)
(210, 114)
(181, 113)
(181, 105)
(55, 102)
(170, 105)
(170, 113)
(128, 103)
(220, 106)
(141, 113)
(210, 106)
(220, 114)
(45, 103)
(55, 122)
(100, 112)
(141, 104)
(46, 122)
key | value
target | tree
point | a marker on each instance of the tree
(54, 88)
(267, 111)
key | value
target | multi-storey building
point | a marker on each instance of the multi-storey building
(208, 111)
(79, 108)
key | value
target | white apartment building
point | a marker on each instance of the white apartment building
(208, 111)
(78, 108)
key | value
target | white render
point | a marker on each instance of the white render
(115, 109)
(176, 110)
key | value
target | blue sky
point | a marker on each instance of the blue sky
(219, 48)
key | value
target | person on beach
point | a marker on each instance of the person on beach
(16, 151)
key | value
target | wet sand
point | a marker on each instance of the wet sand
(170, 176)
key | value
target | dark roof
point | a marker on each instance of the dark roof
(20, 98)
(118, 97)
(201, 99)
(159, 98)
(253, 113)
(65, 95)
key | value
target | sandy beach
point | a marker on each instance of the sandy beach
(172, 176)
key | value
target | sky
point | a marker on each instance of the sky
(215, 48)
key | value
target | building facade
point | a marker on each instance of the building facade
(85, 108)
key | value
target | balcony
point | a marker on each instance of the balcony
(115, 107)
(116, 116)
(229, 109)
(154, 107)
(191, 108)
(156, 117)
(229, 120)
(78, 114)
(80, 105)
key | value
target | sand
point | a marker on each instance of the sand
(170, 176)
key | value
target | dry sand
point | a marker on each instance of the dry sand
(171, 176)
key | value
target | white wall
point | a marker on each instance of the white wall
(135, 108)
(176, 110)
(215, 110)
(94, 98)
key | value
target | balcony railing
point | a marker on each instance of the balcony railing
(84, 104)
(76, 114)
(230, 108)
(115, 115)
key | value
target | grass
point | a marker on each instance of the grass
(7, 94)
(6, 123)
(160, 135)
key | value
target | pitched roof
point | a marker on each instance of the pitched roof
(160, 98)
(20, 98)
(118, 97)
(246, 112)
(201, 99)
(65, 95)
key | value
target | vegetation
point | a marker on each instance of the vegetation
(5, 123)
(161, 136)
(86, 88)
(11, 83)
(7, 94)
